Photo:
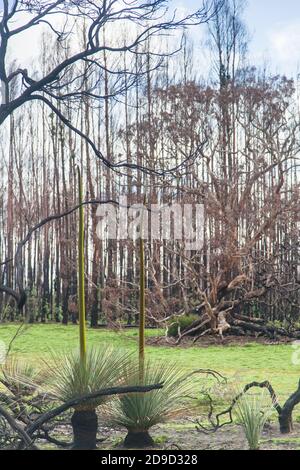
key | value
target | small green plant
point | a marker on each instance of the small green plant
(253, 412)
(180, 323)
(159, 440)
(138, 412)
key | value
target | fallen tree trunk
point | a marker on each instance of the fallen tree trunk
(270, 331)
(219, 312)
(236, 325)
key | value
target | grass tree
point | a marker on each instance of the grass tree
(76, 374)
(81, 286)
(139, 412)
(142, 311)
(84, 421)
(20, 377)
(73, 378)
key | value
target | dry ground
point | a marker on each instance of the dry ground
(181, 435)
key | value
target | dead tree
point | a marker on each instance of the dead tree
(77, 75)
(52, 88)
(240, 262)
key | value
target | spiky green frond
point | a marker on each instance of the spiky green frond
(141, 411)
(253, 410)
(21, 378)
(72, 378)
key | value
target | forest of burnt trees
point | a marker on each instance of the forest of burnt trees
(232, 141)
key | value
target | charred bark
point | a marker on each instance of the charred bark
(286, 414)
(138, 440)
(85, 425)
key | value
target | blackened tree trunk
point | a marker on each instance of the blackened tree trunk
(286, 422)
(65, 296)
(286, 413)
(85, 425)
(138, 440)
(94, 309)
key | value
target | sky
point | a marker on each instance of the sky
(274, 29)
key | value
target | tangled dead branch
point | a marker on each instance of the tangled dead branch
(27, 435)
(284, 412)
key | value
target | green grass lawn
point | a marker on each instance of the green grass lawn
(241, 364)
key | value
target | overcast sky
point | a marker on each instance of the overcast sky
(274, 27)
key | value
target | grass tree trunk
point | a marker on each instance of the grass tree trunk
(140, 438)
(85, 426)
(142, 311)
(81, 285)
(84, 422)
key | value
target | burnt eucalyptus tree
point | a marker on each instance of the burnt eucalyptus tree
(19, 16)
(79, 73)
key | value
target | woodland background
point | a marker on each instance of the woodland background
(234, 139)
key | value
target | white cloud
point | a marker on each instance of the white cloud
(285, 45)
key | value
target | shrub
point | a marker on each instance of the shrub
(180, 322)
